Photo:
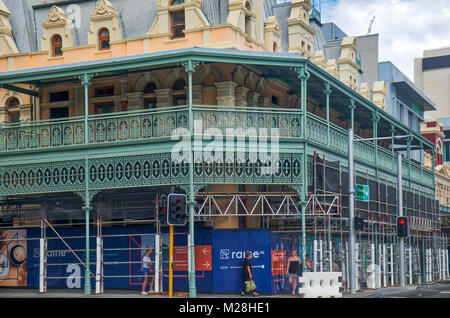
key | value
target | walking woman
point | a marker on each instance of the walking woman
(294, 270)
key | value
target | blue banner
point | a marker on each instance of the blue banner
(229, 248)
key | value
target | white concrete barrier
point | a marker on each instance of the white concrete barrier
(320, 285)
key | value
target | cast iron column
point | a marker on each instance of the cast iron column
(85, 81)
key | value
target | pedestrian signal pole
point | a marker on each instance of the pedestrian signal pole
(400, 214)
(351, 206)
(351, 216)
(171, 262)
(176, 216)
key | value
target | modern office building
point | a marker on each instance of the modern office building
(432, 75)
(106, 106)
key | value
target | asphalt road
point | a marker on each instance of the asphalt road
(436, 290)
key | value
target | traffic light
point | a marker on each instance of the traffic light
(358, 223)
(402, 227)
(162, 209)
(177, 209)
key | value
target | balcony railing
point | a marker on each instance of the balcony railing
(248, 120)
(144, 124)
(316, 131)
(115, 127)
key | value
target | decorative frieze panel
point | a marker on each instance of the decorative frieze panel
(147, 170)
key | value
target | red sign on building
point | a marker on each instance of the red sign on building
(278, 262)
(203, 258)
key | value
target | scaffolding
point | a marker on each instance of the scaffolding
(377, 256)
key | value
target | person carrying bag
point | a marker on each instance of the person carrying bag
(248, 284)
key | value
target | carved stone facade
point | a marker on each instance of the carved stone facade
(379, 94)
(301, 35)
(272, 35)
(348, 68)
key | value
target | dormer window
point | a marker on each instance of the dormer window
(103, 39)
(178, 23)
(56, 45)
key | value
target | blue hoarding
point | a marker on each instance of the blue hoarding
(229, 248)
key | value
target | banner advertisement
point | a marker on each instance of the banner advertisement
(229, 249)
(13, 256)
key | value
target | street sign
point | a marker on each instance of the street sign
(362, 192)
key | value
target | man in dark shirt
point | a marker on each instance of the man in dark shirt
(247, 272)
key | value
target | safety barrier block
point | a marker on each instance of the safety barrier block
(321, 285)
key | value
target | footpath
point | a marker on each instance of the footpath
(391, 292)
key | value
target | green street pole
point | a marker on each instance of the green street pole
(87, 274)
(304, 75)
(192, 286)
(327, 93)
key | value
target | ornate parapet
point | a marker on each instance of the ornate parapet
(320, 60)
(272, 35)
(301, 35)
(379, 94)
(7, 43)
(332, 68)
(364, 90)
(348, 68)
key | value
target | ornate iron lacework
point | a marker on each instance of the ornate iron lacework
(127, 127)
(145, 170)
(143, 125)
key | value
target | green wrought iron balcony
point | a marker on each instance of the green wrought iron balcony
(143, 125)
(159, 124)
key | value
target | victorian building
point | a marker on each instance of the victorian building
(240, 104)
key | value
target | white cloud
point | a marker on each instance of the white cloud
(406, 27)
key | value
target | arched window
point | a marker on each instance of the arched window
(150, 88)
(150, 103)
(56, 45)
(179, 99)
(179, 85)
(103, 39)
(275, 47)
(12, 105)
(178, 23)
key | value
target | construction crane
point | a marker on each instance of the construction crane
(371, 25)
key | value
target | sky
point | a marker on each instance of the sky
(406, 27)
